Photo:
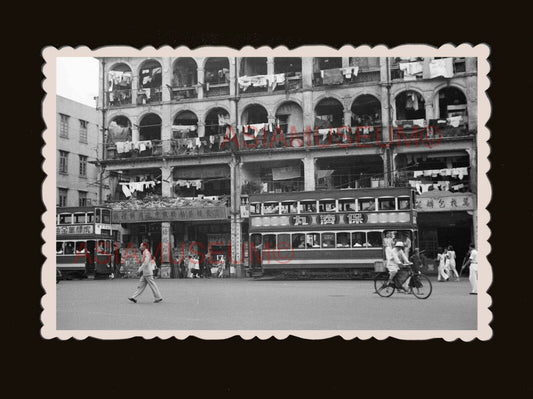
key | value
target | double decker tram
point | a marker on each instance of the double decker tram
(328, 234)
(84, 241)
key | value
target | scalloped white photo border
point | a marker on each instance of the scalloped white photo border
(48, 301)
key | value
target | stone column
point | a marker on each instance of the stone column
(385, 134)
(347, 117)
(270, 70)
(201, 81)
(166, 181)
(472, 154)
(308, 111)
(165, 249)
(166, 69)
(307, 72)
(135, 135)
(134, 87)
(471, 102)
(470, 64)
(201, 129)
(166, 129)
(233, 74)
(425, 68)
(309, 173)
(429, 108)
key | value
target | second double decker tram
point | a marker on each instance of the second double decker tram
(336, 233)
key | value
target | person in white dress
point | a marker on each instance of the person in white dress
(441, 258)
(472, 262)
(451, 264)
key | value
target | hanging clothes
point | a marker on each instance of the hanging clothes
(332, 76)
(441, 67)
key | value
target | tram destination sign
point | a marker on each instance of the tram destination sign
(75, 229)
(169, 214)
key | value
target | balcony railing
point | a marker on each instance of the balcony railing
(434, 129)
(118, 98)
(182, 92)
(149, 95)
(273, 186)
(131, 149)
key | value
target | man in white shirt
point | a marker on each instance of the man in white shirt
(147, 268)
(395, 258)
(473, 269)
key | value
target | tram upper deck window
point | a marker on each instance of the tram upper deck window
(328, 240)
(289, 207)
(312, 240)
(386, 204)
(359, 239)
(98, 217)
(59, 248)
(270, 208)
(298, 240)
(403, 203)
(375, 238)
(79, 218)
(269, 241)
(106, 216)
(255, 208)
(327, 206)
(367, 204)
(307, 206)
(343, 240)
(65, 218)
(347, 205)
(90, 217)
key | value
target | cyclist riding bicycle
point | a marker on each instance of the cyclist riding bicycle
(396, 258)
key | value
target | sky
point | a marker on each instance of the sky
(77, 79)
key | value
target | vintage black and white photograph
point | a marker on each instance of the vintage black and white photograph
(311, 192)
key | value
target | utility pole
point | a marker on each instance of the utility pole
(103, 156)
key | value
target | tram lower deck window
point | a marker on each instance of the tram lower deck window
(375, 238)
(269, 241)
(359, 239)
(298, 240)
(328, 240)
(59, 248)
(343, 240)
(312, 240)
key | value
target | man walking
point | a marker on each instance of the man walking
(147, 277)
(472, 261)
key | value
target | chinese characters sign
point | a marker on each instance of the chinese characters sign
(448, 203)
(169, 214)
(75, 229)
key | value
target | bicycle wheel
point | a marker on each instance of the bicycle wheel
(381, 286)
(424, 289)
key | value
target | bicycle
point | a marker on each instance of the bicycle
(419, 284)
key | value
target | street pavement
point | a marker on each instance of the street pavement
(247, 304)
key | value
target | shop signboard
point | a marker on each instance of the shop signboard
(458, 202)
(75, 229)
(169, 214)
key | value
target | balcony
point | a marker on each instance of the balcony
(119, 98)
(149, 95)
(178, 93)
(434, 129)
(131, 149)
(272, 186)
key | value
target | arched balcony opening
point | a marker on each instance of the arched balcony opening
(329, 113)
(150, 80)
(410, 109)
(453, 112)
(289, 117)
(185, 133)
(149, 135)
(291, 68)
(184, 83)
(118, 138)
(253, 75)
(119, 85)
(366, 111)
(216, 125)
(255, 124)
(217, 77)
(327, 71)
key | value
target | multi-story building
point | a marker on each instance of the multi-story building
(77, 145)
(195, 136)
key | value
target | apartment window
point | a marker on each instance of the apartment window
(63, 162)
(83, 131)
(83, 198)
(62, 197)
(83, 166)
(63, 125)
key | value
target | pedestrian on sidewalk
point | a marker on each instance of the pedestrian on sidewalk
(442, 272)
(451, 264)
(147, 275)
(472, 262)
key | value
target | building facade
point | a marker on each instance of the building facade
(78, 143)
(188, 139)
